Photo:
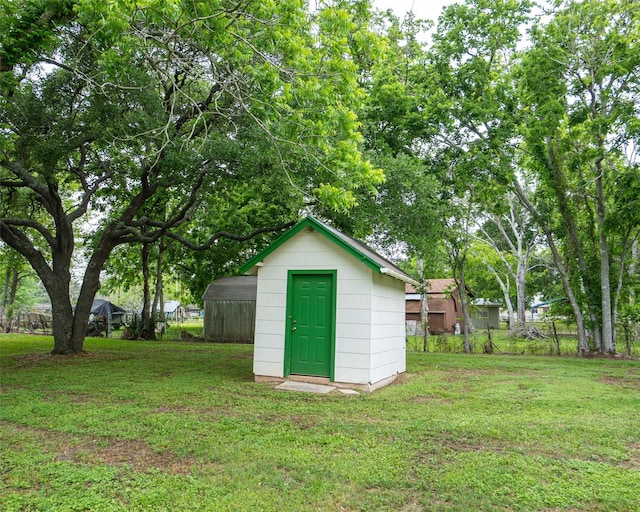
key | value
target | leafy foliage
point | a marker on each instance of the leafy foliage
(135, 114)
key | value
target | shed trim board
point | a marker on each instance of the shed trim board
(292, 341)
(357, 249)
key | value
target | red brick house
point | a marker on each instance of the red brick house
(443, 300)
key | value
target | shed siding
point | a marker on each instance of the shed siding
(310, 250)
(494, 317)
(229, 321)
(388, 346)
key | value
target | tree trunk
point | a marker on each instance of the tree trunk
(583, 346)
(15, 281)
(70, 326)
(148, 330)
(62, 319)
(5, 297)
(158, 298)
(521, 276)
(505, 292)
(464, 304)
(635, 257)
(622, 270)
(12, 280)
(424, 315)
(55, 279)
(424, 307)
(608, 346)
(521, 250)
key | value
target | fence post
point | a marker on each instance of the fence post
(555, 336)
(627, 337)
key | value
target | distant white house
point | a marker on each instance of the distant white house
(540, 308)
(328, 309)
(174, 310)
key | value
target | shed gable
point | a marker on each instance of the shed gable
(351, 246)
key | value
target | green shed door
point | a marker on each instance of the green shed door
(311, 314)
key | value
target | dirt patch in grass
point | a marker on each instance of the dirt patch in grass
(135, 454)
(441, 447)
(633, 457)
(37, 357)
(435, 447)
(40, 357)
(103, 450)
(423, 399)
(430, 398)
(174, 408)
(301, 422)
(248, 355)
(76, 397)
(212, 413)
(456, 374)
(562, 510)
(482, 445)
(625, 382)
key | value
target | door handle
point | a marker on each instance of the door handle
(293, 329)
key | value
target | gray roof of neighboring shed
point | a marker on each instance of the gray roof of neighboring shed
(232, 288)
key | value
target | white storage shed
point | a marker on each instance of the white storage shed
(328, 310)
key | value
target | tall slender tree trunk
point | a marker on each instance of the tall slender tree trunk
(424, 307)
(424, 315)
(608, 345)
(5, 297)
(464, 304)
(13, 280)
(622, 271)
(635, 254)
(521, 276)
(519, 245)
(505, 292)
(595, 327)
(158, 298)
(583, 346)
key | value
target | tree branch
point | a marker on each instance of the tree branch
(230, 236)
(30, 224)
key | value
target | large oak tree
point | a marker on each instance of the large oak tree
(112, 115)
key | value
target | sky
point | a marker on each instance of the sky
(425, 9)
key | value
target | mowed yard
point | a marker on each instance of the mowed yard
(182, 426)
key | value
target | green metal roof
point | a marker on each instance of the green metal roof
(354, 247)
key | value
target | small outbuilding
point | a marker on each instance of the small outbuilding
(485, 314)
(329, 309)
(174, 310)
(230, 309)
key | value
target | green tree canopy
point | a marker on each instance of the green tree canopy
(122, 112)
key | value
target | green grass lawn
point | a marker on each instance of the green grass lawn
(182, 426)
